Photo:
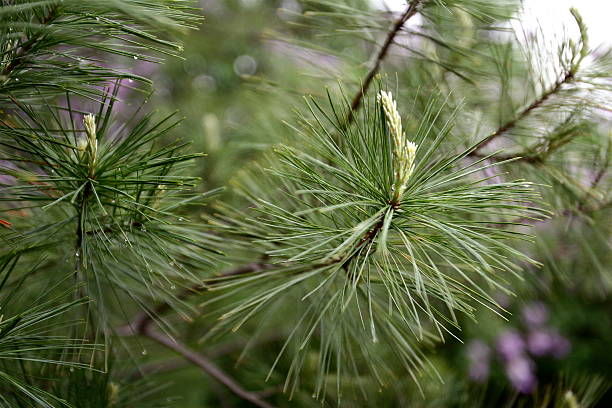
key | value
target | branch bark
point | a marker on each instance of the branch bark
(143, 320)
(206, 365)
(511, 124)
(141, 325)
(410, 11)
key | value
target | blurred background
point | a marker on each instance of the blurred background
(248, 67)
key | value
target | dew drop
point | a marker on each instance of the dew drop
(181, 219)
(172, 287)
(144, 352)
(76, 254)
(135, 57)
(72, 369)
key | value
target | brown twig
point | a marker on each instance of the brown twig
(143, 319)
(411, 10)
(538, 153)
(141, 325)
(206, 365)
(511, 124)
(365, 240)
(212, 352)
(525, 157)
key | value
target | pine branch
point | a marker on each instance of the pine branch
(511, 124)
(380, 219)
(410, 11)
(538, 153)
(27, 45)
(605, 165)
(141, 325)
(33, 332)
(142, 321)
(223, 349)
(50, 47)
(206, 365)
(571, 68)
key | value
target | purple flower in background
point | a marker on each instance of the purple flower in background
(541, 342)
(479, 355)
(516, 349)
(535, 314)
(520, 372)
(510, 345)
(519, 367)
(544, 342)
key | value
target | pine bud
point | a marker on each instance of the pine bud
(404, 151)
(92, 142)
(82, 147)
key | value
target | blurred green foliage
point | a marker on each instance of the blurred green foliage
(239, 83)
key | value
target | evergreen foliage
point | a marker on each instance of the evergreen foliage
(444, 162)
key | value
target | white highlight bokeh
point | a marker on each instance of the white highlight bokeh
(553, 15)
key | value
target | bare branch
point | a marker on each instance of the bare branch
(411, 10)
(206, 365)
(211, 352)
(511, 124)
(141, 325)
(143, 319)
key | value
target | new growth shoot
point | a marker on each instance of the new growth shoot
(89, 146)
(404, 151)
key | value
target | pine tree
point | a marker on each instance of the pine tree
(441, 162)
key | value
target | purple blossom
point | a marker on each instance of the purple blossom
(541, 342)
(510, 345)
(520, 372)
(479, 355)
(544, 342)
(535, 314)
(516, 348)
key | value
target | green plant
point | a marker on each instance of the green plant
(388, 219)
